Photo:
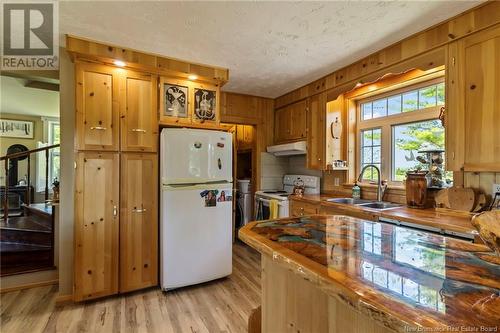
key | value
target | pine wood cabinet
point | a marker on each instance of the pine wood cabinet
(300, 208)
(116, 210)
(138, 112)
(473, 102)
(316, 132)
(245, 136)
(97, 107)
(96, 225)
(290, 123)
(138, 221)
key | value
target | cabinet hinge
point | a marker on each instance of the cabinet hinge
(453, 61)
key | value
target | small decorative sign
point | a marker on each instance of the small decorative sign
(22, 129)
(204, 104)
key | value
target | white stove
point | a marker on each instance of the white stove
(262, 198)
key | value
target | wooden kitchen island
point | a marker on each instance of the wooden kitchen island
(329, 273)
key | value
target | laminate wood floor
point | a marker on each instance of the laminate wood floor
(219, 306)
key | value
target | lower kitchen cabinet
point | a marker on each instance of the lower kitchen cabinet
(300, 208)
(96, 225)
(116, 223)
(138, 221)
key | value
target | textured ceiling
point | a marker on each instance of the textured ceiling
(270, 48)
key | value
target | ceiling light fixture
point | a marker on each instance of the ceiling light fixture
(192, 77)
(119, 63)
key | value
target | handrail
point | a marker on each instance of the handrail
(28, 152)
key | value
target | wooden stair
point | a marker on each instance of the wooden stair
(27, 242)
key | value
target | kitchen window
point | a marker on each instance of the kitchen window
(394, 126)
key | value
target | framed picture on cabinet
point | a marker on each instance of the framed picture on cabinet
(204, 104)
(175, 99)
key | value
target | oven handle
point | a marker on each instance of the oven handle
(266, 200)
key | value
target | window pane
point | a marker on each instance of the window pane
(427, 97)
(394, 105)
(367, 110)
(408, 139)
(410, 101)
(367, 138)
(377, 135)
(367, 155)
(380, 108)
(440, 94)
(376, 154)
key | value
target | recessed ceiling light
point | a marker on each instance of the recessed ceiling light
(119, 63)
(192, 77)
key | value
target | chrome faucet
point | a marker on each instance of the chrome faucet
(381, 184)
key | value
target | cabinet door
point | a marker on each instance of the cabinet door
(298, 121)
(96, 225)
(139, 115)
(481, 54)
(138, 221)
(97, 106)
(316, 132)
(281, 125)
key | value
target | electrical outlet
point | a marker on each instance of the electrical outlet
(336, 182)
(496, 188)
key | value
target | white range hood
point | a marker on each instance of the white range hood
(288, 149)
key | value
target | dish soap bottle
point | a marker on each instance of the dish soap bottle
(356, 191)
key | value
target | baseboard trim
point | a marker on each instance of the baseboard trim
(29, 285)
(64, 299)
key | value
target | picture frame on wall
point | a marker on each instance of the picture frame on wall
(204, 104)
(22, 129)
(175, 100)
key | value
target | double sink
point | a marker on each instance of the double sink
(378, 205)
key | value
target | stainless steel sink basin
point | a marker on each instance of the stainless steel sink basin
(380, 205)
(349, 201)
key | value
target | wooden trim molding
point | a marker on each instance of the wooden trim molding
(90, 50)
(478, 18)
(64, 299)
(29, 285)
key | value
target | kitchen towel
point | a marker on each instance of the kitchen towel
(273, 209)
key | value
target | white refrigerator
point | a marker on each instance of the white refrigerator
(196, 207)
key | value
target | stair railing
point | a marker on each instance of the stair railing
(28, 153)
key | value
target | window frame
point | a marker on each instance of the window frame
(386, 124)
(53, 152)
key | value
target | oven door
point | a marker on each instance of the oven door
(262, 210)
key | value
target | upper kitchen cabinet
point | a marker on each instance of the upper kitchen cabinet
(97, 107)
(139, 115)
(245, 136)
(473, 102)
(186, 102)
(290, 123)
(316, 136)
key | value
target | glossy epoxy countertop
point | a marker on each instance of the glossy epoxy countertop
(398, 276)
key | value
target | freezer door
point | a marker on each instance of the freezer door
(195, 156)
(196, 234)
